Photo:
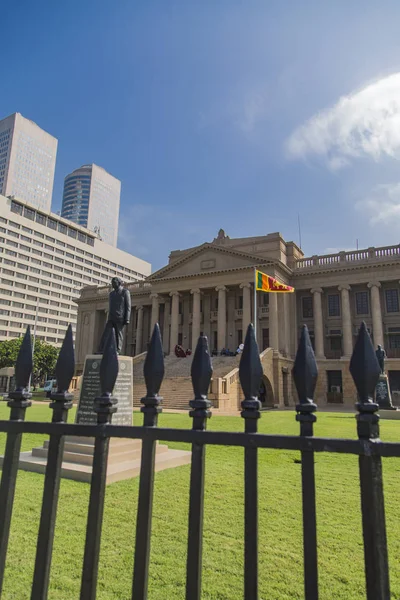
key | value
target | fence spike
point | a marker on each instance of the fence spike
(65, 366)
(201, 370)
(305, 370)
(105, 405)
(153, 369)
(201, 373)
(364, 366)
(250, 371)
(365, 371)
(305, 375)
(24, 364)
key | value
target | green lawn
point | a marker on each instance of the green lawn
(280, 535)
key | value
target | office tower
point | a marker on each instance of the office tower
(91, 199)
(27, 161)
(45, 262)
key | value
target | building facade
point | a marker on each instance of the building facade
(45, 260)
(27, 161)
(209, 290)
(91, 198)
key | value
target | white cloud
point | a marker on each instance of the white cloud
(366, 123)
(382, 205)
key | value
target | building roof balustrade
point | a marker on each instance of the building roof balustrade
(354, 256)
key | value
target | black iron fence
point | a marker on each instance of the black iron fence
(365, 371)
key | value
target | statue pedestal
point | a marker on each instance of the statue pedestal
(382, 393)
(124, 454)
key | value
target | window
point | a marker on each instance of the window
(52, 224)
(333, 305)
(16, 208)
(392, 301)
(40, 219)
(336, 343)
(307, 303)
(362, 304)
(240, 303)
(394, 341)
(334, 381)
(29, 213)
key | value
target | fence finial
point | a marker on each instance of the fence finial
(153, 371)
(305, 375)
(201, 373)
(24, 364)
(250, 375)
(65, 366)
(365, 370)
(105, 405)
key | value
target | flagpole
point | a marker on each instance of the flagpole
(255, 304)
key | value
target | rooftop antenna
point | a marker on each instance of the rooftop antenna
(357, 243)
(298, 221)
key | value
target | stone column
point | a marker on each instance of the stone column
(195, 317)
(346, 321)
(174, 321)
(155, 302)
(318, 323)
(294, 325)
(221, 323)
(139, 330)
(246, 316)
(376, 311)
(273, 322)
(286, 324)
(167, 321)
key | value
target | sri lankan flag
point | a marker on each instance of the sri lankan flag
(265, 283)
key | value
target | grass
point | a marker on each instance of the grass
(340, 548)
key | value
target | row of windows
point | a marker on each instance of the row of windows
(123, 271)
(361, 304)
(33, 215)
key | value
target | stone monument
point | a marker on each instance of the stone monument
(124, 454)
(382, 391)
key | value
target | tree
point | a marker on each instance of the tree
(44, 357)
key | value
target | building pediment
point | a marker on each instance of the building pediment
(208, 258)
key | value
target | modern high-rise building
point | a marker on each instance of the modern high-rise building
(45, 260)
(91, 199)
(27, 161)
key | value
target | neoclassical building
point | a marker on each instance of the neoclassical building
(209, 290)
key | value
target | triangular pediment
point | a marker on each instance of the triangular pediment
(208, 258)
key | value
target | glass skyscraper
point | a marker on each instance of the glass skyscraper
(91, 199)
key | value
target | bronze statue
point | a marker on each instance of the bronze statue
(381, 355)
(118, 314)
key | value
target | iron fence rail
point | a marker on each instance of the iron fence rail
(369, 448)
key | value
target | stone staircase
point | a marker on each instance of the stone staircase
(176, 388)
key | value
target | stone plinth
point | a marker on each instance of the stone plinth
(382, 393)
(90, 389)
(124, 454)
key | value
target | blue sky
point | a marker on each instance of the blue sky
(216, 113)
